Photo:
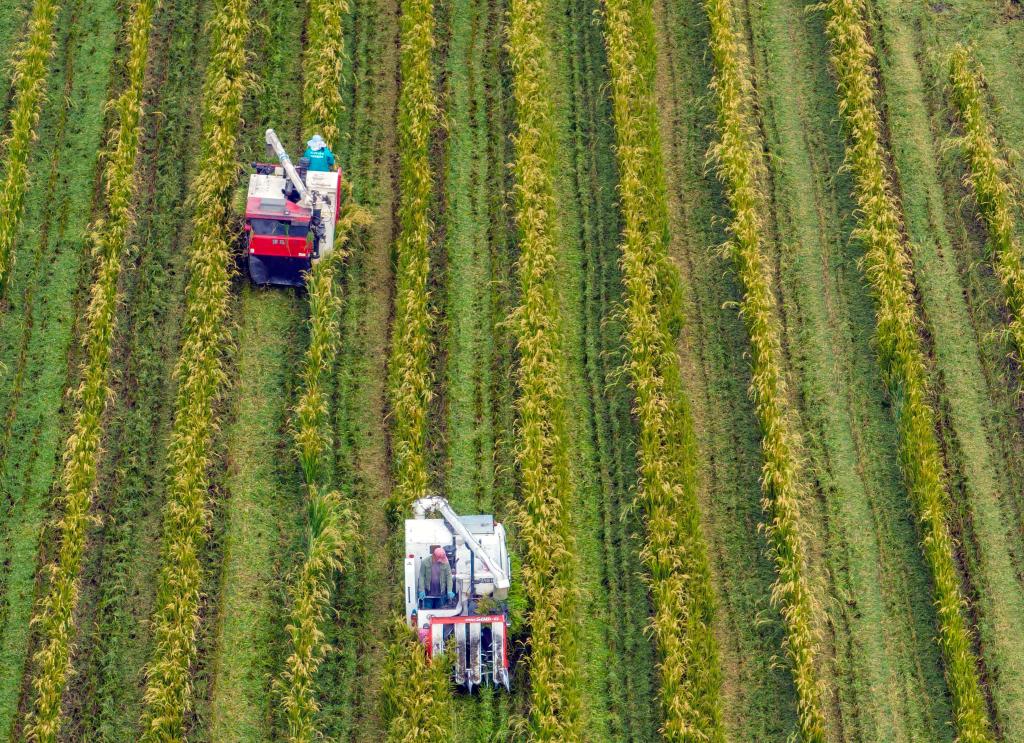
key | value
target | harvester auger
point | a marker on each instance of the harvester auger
(457, 573)
(290, 215)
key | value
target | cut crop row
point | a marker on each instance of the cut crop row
(411, 348)
(676, 552)
(736, 158)
(887, 265)
(201, 379)
(82, 450)
(29, 79)
(987, 176)
(544, 436)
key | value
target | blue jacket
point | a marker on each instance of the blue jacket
(322, 159)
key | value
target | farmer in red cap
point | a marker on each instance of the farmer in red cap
(435, 581)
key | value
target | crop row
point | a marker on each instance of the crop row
(29, 79)
(109, 238)
(888, 268)
(987, 177)
(675, 552)
(543, 451)
(735, 157)
(325, 53)
(415, 693)
(410, 375)
(201, 377)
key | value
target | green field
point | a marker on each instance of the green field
(879, 670)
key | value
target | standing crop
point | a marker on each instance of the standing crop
(29, 80)
(410, 341)
(987, 176)
(888, 269)
(675, 552)
(544, 439)
(416, 693)
(325, 52)
(82, 450)
(737, 167)
(201, 377)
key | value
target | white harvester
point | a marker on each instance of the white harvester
(474, 620)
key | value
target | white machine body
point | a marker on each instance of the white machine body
(476, 621)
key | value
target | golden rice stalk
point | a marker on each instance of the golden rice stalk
(737, 167)
(201, 378)
(411, 352)
(675, 553)
(417, 693)
(888, 268)
(544, 438)
(55, 613)
(29, 79)
(988, 177)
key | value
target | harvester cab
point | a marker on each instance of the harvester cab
(457, 572)
(290, 214)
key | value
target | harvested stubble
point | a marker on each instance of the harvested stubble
(887, 265)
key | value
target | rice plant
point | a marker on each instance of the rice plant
(675, 553)
(29, 80)
(543, 451)
(325, 53)
(411, 351)
(417, 693)
(736, 158)
(201, 378)
(55, 613)
(988, 177)
(887, 266)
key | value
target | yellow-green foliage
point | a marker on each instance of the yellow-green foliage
(888, 268)
(325, 52)
(410, 377)
(52, 661)
(29, 80)
(201, 377)
(331, 530)
(736, 158)
(417, 693)
(675, 553)
(988, 177)
(543, 433)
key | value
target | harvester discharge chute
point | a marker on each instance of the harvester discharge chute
(290, 214)
(472, 616)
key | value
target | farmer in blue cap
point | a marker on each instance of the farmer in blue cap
(319, 154)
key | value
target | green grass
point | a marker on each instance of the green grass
(38, 328)
(264, 515)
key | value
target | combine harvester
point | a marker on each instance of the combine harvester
(475, 619)
(290, 215)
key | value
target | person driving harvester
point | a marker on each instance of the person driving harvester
(435, 581)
